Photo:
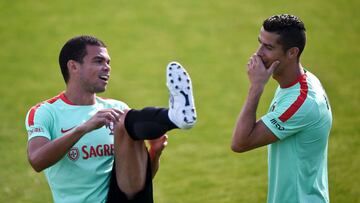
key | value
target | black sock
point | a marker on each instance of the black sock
(148, 123)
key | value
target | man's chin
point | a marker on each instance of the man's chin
(100, 89)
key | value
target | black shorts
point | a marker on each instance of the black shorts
(115, 195)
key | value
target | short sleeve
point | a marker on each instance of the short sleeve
(112, 103)
(298, 121)
(121, 105)
(38, 121)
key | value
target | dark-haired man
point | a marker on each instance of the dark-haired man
(299, 119)
(76, 135)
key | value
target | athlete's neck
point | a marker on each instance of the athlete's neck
(289, 75)
(80, 98)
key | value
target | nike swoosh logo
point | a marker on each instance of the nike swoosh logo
(67, 130)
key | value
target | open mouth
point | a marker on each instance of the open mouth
(104, 77)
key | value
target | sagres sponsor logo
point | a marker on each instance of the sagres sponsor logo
(73, 154)
(97, 151)
(276, 124)
(88, 152)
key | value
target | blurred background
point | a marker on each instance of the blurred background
(213, 40)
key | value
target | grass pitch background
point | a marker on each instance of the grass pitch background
(213, 40)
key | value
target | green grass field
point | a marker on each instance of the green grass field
(213, 40)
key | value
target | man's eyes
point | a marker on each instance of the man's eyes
(99, 61)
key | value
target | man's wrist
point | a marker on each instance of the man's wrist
(256, 88)
(255, 92)
(82, 129)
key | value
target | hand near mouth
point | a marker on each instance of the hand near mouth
(257, 72)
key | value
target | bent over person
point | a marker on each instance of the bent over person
(92, 149)
(297, 125)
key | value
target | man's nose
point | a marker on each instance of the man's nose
(259, 51)
(107, 67)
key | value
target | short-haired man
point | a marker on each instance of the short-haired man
(299, 119)
(76, 135)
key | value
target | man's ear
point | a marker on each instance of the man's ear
(73, 66)
(293, 53)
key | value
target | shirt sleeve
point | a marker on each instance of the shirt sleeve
(298, 121)
(122, 105)
(117, 104)
(38, 121)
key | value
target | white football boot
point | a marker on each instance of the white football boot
(181, 102)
